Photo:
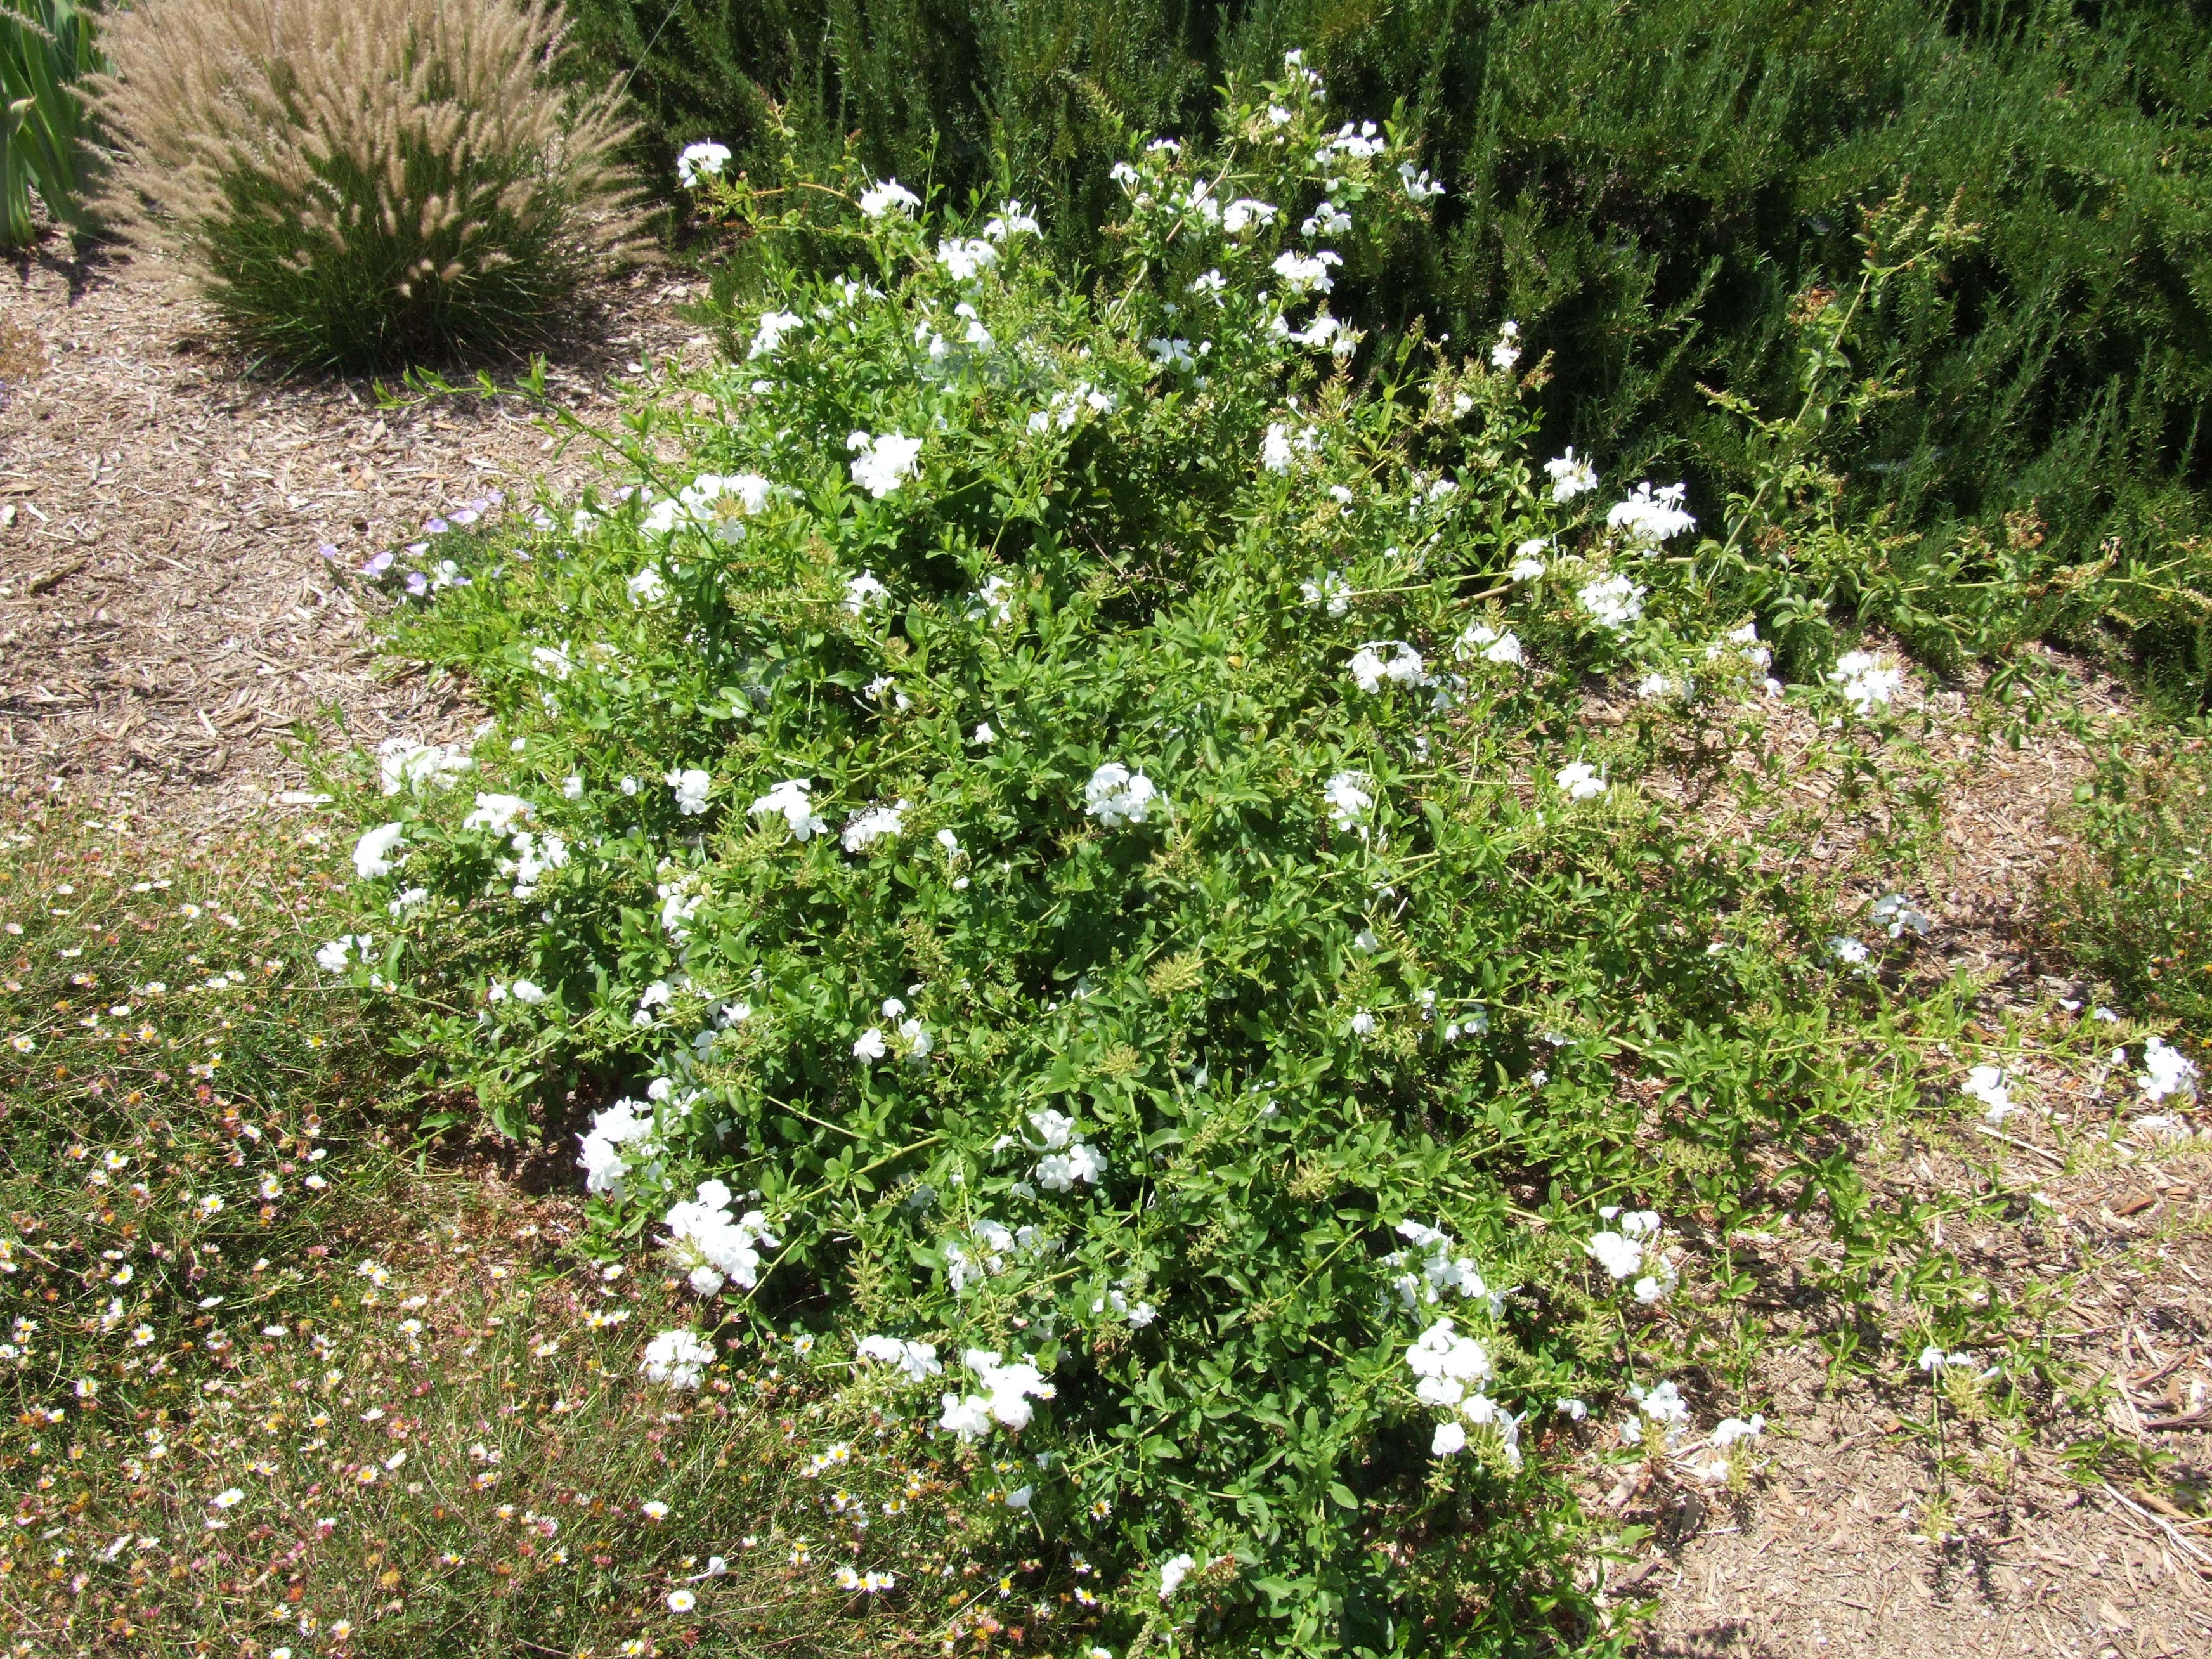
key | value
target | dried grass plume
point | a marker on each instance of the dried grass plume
(366, 183)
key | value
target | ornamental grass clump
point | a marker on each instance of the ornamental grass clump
(367, 183)
(1054, 838)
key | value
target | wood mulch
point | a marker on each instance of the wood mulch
(167, 622)
(166, 618)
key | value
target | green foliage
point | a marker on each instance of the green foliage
(367, 185)
(1090, 819)
(48, 49)
(1653, 191)
(2132, 907)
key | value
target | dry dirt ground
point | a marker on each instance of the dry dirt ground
(166, 618)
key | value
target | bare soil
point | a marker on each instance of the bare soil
(168, 626)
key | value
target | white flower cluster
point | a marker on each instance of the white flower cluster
(404, 763)
(534, 854)
(965, 259)
(1430, 1268)
(1344, 797)
(377, 852)
(888, 196)
(700, 160)
(498, 814)
(1624, 1254)
(1571, 476)
(789, 800)
(886, 462)
(1066, 407)
(872, 824)
(1987, 1085)
(1864, 682)
(1007, 1390)
(1450, 1370)
(678, 1360)
(1280, 448)
(768, 337)
(714, 503)
(1116, 795)
(1066, 1158)
(1482, 640)
(1662, 1407)
(336, 956)
(1303, 274)
(1370, 670)
(1330, 592)
(709, 1247)
(918, 1360)
(620, 1133)
(1647, 518)
(2166, 1072)
(1612, 602)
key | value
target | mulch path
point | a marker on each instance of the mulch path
(165, 616)
(167, 622)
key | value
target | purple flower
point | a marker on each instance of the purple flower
(436, 527)
(494, 499)
(378, 565)
(417, 583)
(416, 549)
(465, 516)
(328, 550)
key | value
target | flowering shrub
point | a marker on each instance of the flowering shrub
(1057, 835)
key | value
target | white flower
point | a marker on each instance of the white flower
(964, 260)
(1059, 1172)
(869, 1044)
(873, 824)
(677, 1358)
(1327, 219)
(1303, 274)
(1281, 447)
(994, 599)
(573, 788)
(1612, 601)
(527, 991)
(700, 160)
(1363, 1026)
(690, 786)
(1579, 780)
(1346, 798)
(498, 813)
(768, 338)
(1571, 476)
(647, 587)
(1244, 213)
(1647, 519)
(333, 958)
(1527, 561)
(1507, 351)
(1369, 668)
(1173, 1571)
(2165, 1071)
(885, 195)
(1418, 187)
(1865, 683)
(402, 763)
(789, 798)
(1330, 592)
(1116, 795)
(1446, 1365)
(886, 462)
(372, 852)
(625, 1123)
(863, 591)
(1483, 641)
(1729, 1430)
(1986, 1084)
(1449, 1437)
(1621, 1257)
(1013, 220)
(917, 1359)
(967, 1416)
(709, 1247)
(1850, 950)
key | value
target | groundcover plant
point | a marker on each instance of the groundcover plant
(1052, 837)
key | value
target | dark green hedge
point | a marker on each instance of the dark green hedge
(1647, 185)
